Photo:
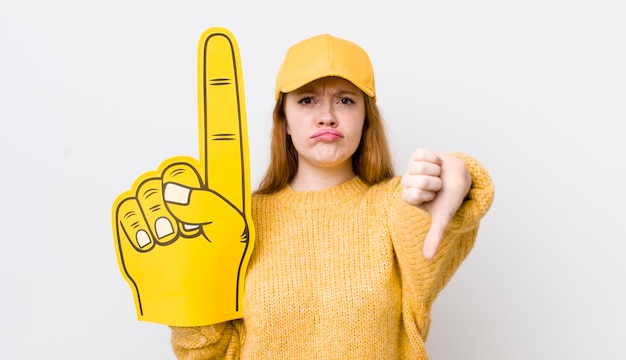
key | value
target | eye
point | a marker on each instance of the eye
(346, 101)
(305, 100)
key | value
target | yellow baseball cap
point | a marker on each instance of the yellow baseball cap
(322, 56)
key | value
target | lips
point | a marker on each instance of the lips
(327, 135)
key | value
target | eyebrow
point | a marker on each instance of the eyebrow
(311, 90)
(342, 92)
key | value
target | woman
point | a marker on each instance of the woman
(348, 259)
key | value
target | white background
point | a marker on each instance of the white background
(93, 94)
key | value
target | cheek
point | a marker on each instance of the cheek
(356, 140)
(358, 132)
(291, 120)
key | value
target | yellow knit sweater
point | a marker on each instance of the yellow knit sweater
(339, 274)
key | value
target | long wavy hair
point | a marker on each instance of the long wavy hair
(371, 161)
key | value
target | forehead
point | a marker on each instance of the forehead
(331, 83)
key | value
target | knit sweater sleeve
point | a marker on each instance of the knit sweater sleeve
(424, 279)
(219, 341)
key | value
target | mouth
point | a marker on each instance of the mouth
(327, 135)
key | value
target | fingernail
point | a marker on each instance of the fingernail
(190, 227)
(142, 238)
(176, 194)
(163, 227)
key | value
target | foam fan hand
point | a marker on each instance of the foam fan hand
(184, 234)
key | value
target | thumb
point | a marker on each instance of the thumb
(456, 182)
(435, 235)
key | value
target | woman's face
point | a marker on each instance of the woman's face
(325, 120)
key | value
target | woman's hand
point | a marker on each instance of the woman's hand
(436, 183)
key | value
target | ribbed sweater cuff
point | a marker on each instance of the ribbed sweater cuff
(205, 342)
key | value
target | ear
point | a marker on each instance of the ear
(287, 128)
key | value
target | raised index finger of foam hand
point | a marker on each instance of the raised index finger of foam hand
(222, 121)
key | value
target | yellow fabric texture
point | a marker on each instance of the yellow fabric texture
(339, 274)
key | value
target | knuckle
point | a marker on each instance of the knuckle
(418, 167)
(423, 182)
(419, 153)
(410, 196)
(404, 180)
(182, 173)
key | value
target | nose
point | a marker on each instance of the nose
(327, 117)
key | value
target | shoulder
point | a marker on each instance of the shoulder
(387, 189)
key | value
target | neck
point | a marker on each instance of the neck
(316, 178)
